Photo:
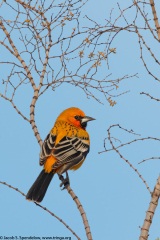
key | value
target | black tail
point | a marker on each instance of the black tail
(37, 191)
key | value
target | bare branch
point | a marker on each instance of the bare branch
(122, 157)
(147, 159)
(80, 208)
(44, 208)
(144, 17)
(127, 143)
(82, 212)
(59, 219)
(15, 107)
(32, 116)
(155, 18)
(151, 97)
(150, 212)
(17, 55)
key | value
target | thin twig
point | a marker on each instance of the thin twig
(122, 157)
(148, 95)
(44, 208)
(15, 107)
(148, 159)
(15, 52)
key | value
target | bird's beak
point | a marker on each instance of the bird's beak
(86, 119)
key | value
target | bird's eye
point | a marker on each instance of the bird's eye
(77, 117)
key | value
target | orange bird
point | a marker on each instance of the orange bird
(64, 148)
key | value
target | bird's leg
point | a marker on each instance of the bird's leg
(64, 181)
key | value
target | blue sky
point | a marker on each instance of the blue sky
(113, 196)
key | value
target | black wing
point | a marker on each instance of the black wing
(70, 152)
(47, 147)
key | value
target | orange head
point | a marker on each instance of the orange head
(75, 116)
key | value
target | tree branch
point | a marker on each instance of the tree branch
(155, 18)
(15, 107)
(150, 212)
(82, 212)
(17, 55)
(151, 97)
(44, 208)
(121, 156)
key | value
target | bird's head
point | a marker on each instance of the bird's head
(75, 116)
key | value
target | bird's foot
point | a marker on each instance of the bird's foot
(64, 181)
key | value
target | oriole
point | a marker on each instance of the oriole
(64, 148)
